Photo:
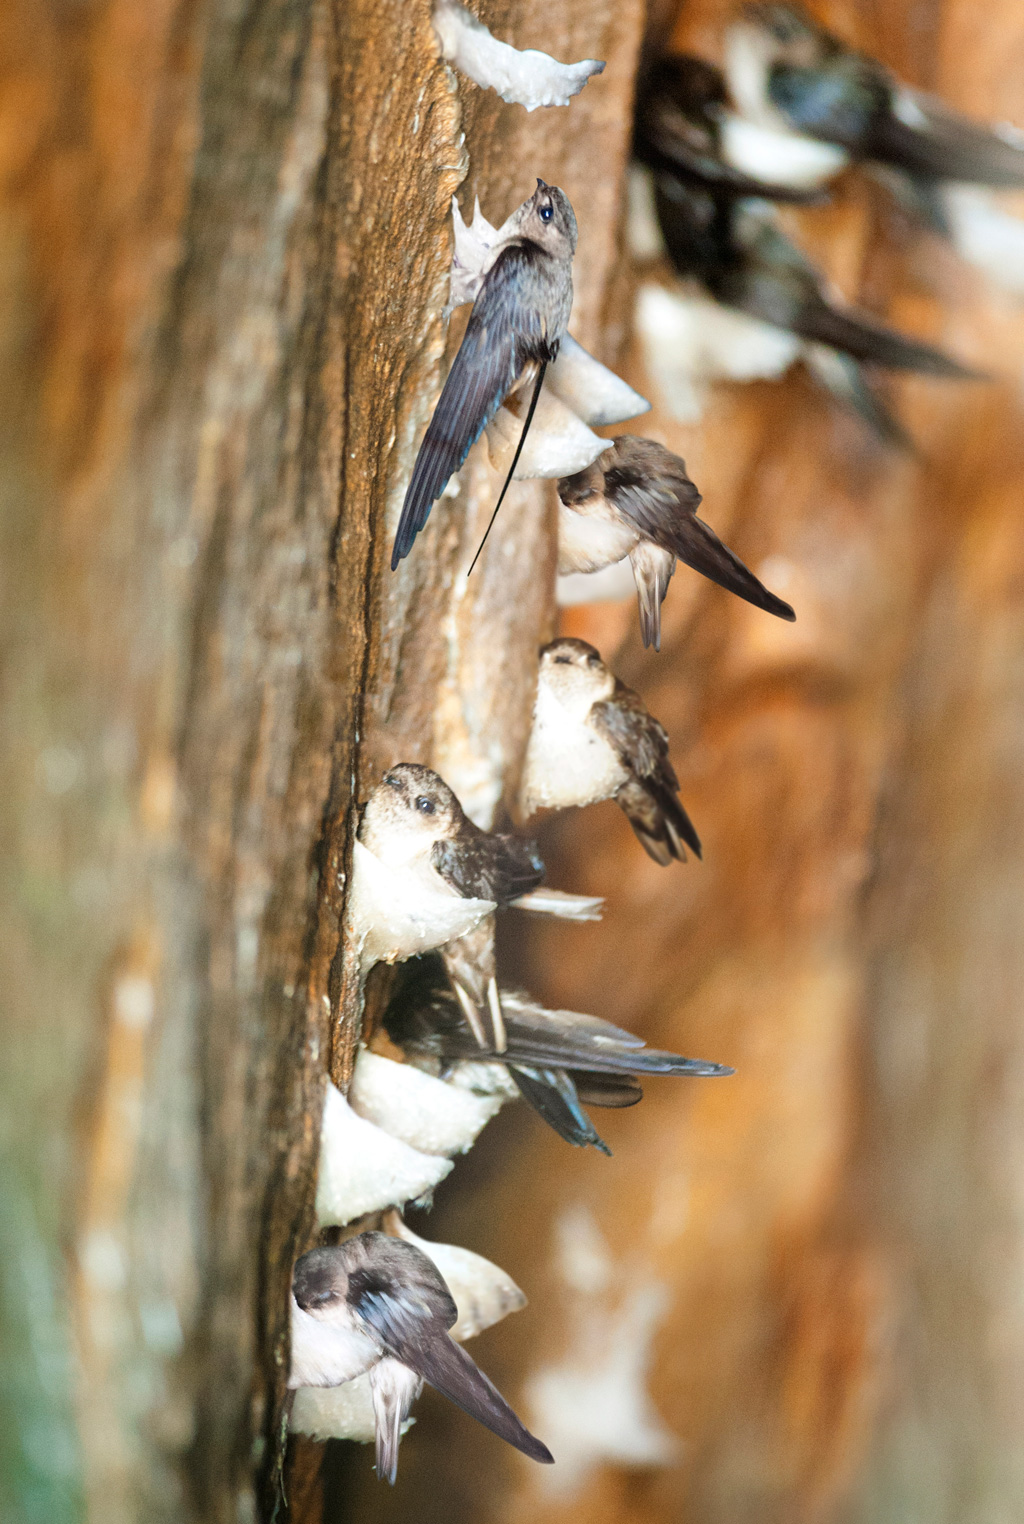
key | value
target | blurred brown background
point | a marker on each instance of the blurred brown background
(792, 1295)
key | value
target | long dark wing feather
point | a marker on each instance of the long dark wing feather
(949, 147)
(448, 1369)
(696, 544)
(426, 1020)
(553, 1097)
(873, 343)
(661, 825)
(567, 1054)
(663, 506)
(503, 334)
(650, 798)
(789, 299)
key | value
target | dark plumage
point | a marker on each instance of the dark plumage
(826, 90)
(383, 1290)
(557, 1059)
(679, 103)
(518, 320)
(650, 797)
(746, 262)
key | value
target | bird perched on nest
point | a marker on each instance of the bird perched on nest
(519, 318)
(637, 500)
(425, 877)
(378, 1304)
(593, 739)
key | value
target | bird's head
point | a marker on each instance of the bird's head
(760, 42)
(584, 487)
(548, 219)
(410, 808)
(320, 1282)
(574, 673)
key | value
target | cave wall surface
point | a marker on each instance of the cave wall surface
(224, 236)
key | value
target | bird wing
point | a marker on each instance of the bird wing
(696, 544)
(639, 740)
(426, 1020)
(505, 331)
(488, 865)
(838, 100)
(678, 153)
(856, 334)
(652, 500)
(927, 138)
(650, 797)
(421, 1342)
(579, 1056)
(553, 1097)
(780, 287)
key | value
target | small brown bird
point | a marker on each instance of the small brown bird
(430, 851)
(636, 500)
(378, 1304)
(593, 739)
(518, 320)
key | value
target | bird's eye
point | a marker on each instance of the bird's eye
(546, 213)
(563, 661)
(424, 805)
(593, 660)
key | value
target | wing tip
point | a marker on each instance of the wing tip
(538, 1451)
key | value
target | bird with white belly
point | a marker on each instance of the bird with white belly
(637, 500)
(593, 739)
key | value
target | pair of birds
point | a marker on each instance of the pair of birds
(793, 107)
(636, 500)
(419, 860)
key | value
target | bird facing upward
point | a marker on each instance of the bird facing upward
(517, 323)
(593, 739)
(416, 828)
